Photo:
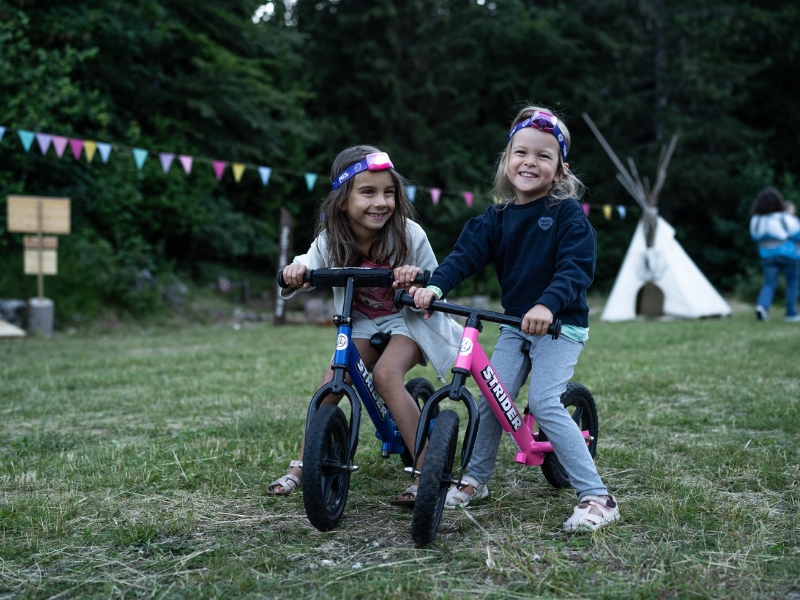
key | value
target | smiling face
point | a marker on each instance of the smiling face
(369, 204)
(533, 164)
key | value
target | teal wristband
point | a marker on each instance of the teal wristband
(436, 291)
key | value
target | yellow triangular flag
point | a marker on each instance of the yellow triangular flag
(89, 148)
(238, 169)
(607, 211)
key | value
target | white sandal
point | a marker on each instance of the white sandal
(288, 482)
(456, 498)
(583, 520)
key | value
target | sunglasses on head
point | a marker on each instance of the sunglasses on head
(377, 161)
(543, 121)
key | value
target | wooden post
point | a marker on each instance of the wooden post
(40, 243)
(283, 259)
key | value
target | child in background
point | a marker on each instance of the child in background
(776, 230)
(544, 251)
(365, 221)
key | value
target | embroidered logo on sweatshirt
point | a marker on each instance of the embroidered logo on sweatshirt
(545, 222)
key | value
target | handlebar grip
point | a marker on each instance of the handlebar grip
(555, 329)
(282, 282)
(423, 277)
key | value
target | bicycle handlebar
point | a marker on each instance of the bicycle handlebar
(362, 277)
(403, 299)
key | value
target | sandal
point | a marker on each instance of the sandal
(288, 482)
(583, 520)
(456, 498)
(406, 502)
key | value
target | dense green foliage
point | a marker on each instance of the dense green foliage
(435, 82)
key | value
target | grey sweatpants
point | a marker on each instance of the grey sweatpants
(553, 365)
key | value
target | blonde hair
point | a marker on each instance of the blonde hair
(390, 244)
(569, 186)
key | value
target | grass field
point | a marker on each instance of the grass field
(134, 466)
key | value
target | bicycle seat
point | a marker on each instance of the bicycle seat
(380, 340)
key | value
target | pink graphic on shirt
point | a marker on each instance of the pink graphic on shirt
(375, 302)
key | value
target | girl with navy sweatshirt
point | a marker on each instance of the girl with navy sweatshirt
(543, 249)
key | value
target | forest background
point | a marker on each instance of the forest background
(288, 84)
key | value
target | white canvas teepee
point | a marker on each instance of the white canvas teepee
(657, 277)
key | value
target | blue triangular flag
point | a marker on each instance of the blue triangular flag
(621, 211)
(27, 138)
(411, 191)
(311, 179)
(2, 132)
(139, 155)
(105, 150)
(265, 172)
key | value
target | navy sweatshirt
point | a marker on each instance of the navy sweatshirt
(544, 253)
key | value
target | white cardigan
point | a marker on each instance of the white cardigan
(438, 337)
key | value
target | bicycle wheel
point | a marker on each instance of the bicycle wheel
(580, 403)
(326, 476)
(420, 389)
(437, 475)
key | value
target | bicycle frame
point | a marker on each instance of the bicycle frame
(473, 362)
(348, 361)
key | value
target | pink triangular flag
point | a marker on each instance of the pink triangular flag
(60, 144)
(77, 147)
(586, 208)
(44, 139)
(186, 163)
(166, 161)
(219, 168)
(468, 198)
(435, 193)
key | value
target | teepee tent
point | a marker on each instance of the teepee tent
(657, 277)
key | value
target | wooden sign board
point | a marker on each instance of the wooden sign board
(49, 262)
(23, 214)
(31, 242)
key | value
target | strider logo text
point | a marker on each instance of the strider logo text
(376, 399)
(502, 399)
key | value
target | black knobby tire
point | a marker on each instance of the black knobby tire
(420, 389)
(326, 476)
(436, 478)
(580, 403)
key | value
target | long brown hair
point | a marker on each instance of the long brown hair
(390, 244)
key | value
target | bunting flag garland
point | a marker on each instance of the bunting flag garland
(219, 168)
(264, 173)
(43, 140)
(186, 163)
(26, 137)
(140, 155)
(60, 144)
(238, 171)
(90, 148)
(311, 179)
(77, 147)
(105, 150)
(166, 159)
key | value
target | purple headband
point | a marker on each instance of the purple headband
(543, 121)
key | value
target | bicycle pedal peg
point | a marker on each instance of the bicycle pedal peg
(352, 468)
(589, 438)
(412, 471)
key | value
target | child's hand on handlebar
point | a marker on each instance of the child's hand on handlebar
(404, 276)
(537, 320)
(423, 298)
(293, 275)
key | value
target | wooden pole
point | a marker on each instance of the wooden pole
(283, 258)
(40, 244)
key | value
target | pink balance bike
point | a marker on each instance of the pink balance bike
(533, 449)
